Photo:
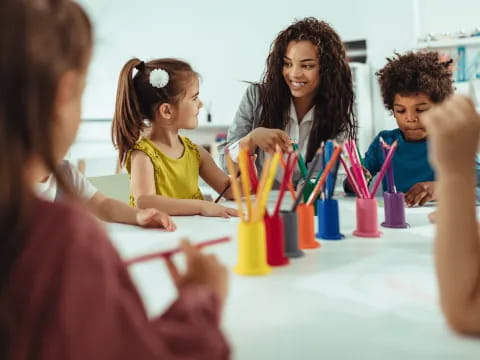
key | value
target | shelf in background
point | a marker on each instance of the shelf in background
(475, 40)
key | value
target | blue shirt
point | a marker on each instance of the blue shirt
(410, 161)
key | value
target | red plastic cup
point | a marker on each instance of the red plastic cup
(275, 240)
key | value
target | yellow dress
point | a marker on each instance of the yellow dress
(175, 178)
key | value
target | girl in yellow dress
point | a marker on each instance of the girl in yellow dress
(162, 96)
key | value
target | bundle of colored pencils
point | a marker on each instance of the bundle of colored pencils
(356, 177)
(254, 210)
(332, 176)
(390, 183)
(288, 169)
(322, 174)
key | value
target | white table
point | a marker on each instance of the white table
(355, 298)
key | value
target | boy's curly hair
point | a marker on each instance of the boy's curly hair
(413, 73)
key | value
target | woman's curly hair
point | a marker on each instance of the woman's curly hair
(334, 99)
(414, 73)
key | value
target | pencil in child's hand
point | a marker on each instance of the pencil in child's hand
(168, 253)
(226, 188)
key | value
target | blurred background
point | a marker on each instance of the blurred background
(228, 43)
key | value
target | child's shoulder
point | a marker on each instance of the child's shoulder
(191, 147)
(188, 142)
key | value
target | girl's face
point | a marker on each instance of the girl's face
(301, 69)
(67, 110)
(407, 111)
(185, 113)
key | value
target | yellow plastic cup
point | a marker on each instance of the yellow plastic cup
(252, 249)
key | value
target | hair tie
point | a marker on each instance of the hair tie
(140, 66)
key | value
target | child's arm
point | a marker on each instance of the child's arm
(113, 210)
(453, 130)
(142, 184)
(212, 174)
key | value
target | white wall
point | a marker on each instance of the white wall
(440, 16)
(227, 42)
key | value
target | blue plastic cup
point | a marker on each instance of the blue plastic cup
(328, 220)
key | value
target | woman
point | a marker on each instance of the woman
(305, 95)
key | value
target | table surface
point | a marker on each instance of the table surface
(356, 298)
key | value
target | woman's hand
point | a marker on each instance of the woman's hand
(267, 139)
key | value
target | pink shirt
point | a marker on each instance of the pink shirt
(71, 298)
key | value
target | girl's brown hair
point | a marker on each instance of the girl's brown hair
(413, 73)
(334, 100)
(39, 41)
(137, 100)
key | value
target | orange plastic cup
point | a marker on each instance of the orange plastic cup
(306, 227)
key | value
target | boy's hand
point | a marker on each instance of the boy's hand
(153, 218)
(420, 193)
(453, 129)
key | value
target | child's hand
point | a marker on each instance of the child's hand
(453, 129)
(420, 193)
(267, 139)
(432, 217)
(211, 209)
(367, 174)
(153, 218)
(201, 269)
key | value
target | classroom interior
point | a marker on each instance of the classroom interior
(353, 298)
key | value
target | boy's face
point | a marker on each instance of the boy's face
(407, 110)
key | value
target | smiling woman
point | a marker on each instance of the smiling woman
(305, 95)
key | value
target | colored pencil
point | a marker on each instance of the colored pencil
(168, 253)
(235, 187)
(322, 179)
(386, 163)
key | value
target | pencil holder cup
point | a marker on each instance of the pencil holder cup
(328, 220)
(306, 227)
(367, 218)
(275, 240)
(252, 249)
(394, 206)
(290, 232)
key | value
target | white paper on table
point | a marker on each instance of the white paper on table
(410, 286)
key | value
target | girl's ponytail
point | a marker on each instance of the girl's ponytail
(128, 120)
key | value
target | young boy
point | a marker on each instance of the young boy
(454, 129)
(410, 85)
(103, 207)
